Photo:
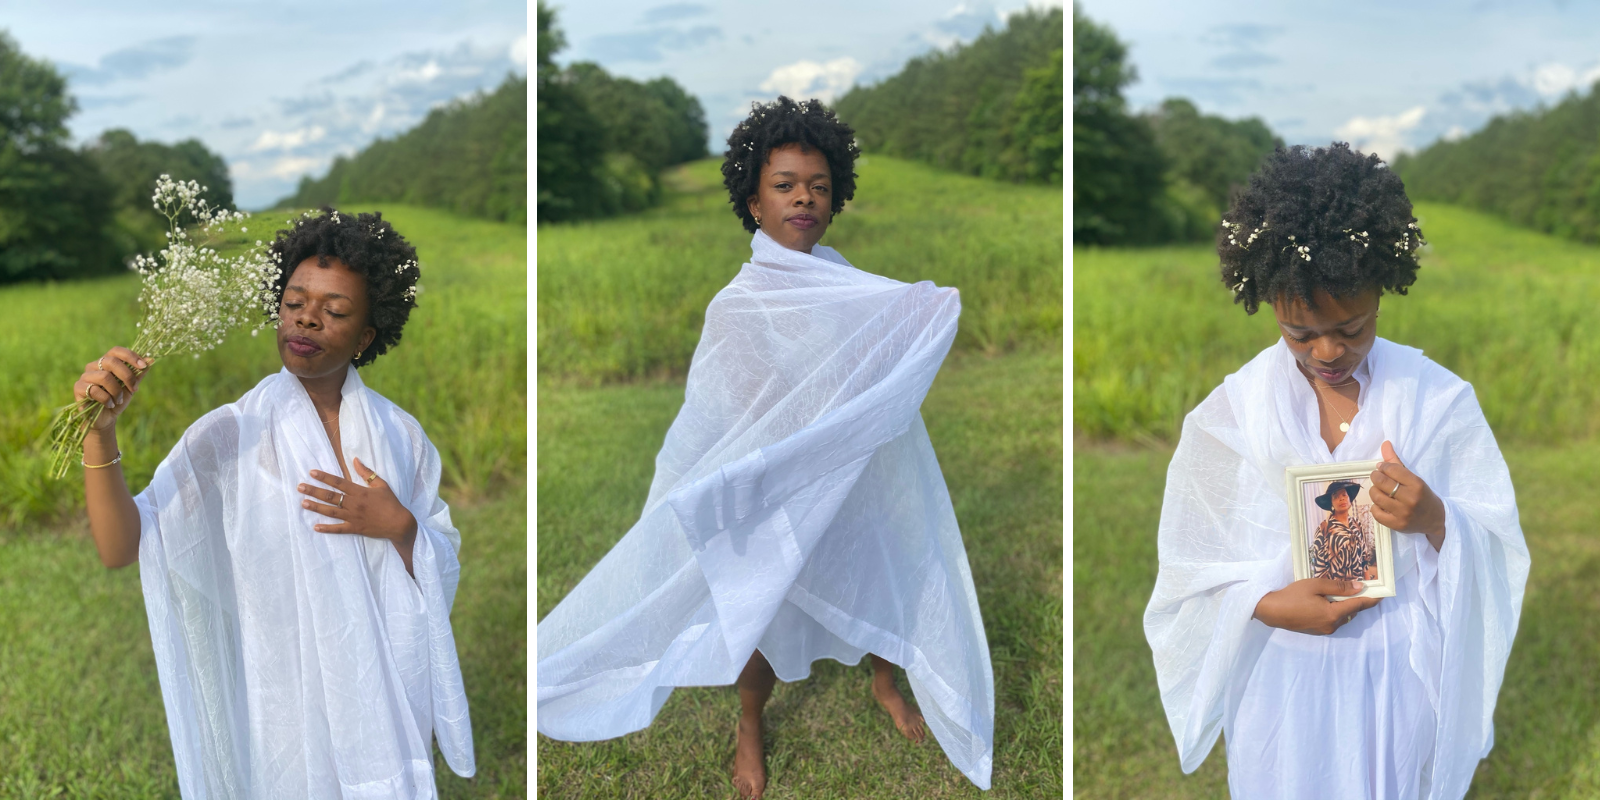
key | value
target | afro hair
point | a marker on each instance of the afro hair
(772, 125)
(370, 247)
(1318, 219)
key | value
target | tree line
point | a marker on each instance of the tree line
(605, 140)
(75, 212)
(469, 156)
(1536, 168)
(1162, 176)
(990, 108)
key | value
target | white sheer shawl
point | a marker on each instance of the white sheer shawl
(797, 507)
(295, 663)
(1224, 543)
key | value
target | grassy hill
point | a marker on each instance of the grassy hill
(1503, 307)
(620, 304)
(82, 711)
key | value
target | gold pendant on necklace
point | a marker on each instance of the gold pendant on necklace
(1344, 427)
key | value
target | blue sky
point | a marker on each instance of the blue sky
(1384, 76)
(730, 53)
(278, 89)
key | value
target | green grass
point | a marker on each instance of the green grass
(1505, 308)
(1502, 307)
(621, 304)
(623, 298)
(996, 425)
(461, 367)
(80, 704)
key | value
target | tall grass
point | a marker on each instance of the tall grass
(1507, 309)
(623, 298)
(461, 367)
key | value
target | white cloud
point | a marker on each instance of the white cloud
(1455, 133)
(1382, 135)
(519, 51)
(427, 72)
(1553, 79)
(285, 168)
(273, 140)
(807, 79)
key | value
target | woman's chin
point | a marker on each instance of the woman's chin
(316, 366)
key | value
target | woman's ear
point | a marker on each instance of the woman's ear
(366, 338)
(754, 204)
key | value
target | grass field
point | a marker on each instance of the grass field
(80, 706)
(622, 299)
(1501, 307)
(1505, 308)
(619, 316)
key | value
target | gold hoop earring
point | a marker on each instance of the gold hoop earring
(758, 222)
(357, 358)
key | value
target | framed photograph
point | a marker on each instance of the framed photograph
(1333, 532)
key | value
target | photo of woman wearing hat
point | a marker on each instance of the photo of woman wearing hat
(1342, 548)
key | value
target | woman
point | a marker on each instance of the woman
(296, 659)
(1405, 686)
(1342, 545)
(797, 511)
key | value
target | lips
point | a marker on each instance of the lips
(302, 347)
(1330, 375)
(804, 222)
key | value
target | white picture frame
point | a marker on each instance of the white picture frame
(1306, 485)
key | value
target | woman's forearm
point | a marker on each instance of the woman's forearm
(113, 516)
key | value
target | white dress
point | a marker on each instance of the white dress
(1398, 703)
(797, 507)
(298, 664)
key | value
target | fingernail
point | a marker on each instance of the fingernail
(302, 487)
(305, 503)
(1359, 584)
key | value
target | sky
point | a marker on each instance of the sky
(729, 53)
(1385, 76)
(277, 89)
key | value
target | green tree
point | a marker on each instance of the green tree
(1207, 157)
(571, 155)
(469, 156)
(55, 206)
(1117, 185)
(1540, 168)
(132, 167)
(980, 108)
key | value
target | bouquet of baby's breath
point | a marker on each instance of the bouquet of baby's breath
(192, 297)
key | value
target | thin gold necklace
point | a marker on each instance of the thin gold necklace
(1344, 424)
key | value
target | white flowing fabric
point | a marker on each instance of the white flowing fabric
(797, 507)
(298, 664)
(1398, 703)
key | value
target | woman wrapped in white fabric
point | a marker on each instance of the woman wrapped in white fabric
(797, 510)
(298, 565)
(1359, 697)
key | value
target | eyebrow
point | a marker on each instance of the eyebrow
(796, 174)
(302, 290)
(1334, 325)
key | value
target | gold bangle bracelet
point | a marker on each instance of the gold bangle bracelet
(102, 466)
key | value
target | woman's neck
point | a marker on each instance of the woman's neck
(325, 390)
(1342, 516)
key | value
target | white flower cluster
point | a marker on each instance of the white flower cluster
(1403, 247)
(1235, 230)
(1365, 240)
(192, 294)
(411, 291)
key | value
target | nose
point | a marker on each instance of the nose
(803, 197)
(1326, 351)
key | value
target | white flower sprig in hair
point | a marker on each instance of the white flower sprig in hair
(192, 295)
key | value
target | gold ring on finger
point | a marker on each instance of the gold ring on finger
(341, 501)
(1395, 489)
(101, 363)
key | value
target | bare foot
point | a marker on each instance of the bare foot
(749, 776)
(906, 719)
